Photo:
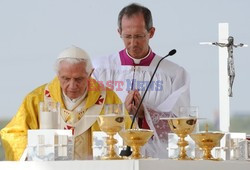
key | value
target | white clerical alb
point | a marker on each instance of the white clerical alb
(168, 90)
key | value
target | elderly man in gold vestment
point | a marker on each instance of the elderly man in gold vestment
(77, 93)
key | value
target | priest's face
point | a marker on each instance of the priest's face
(73, 78)
(135, 35)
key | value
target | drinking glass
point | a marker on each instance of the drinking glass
(110, 109)
(188, 111)
(49, 115)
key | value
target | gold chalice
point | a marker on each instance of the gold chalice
(136, 138)
(207, 141)
(111, 123)
(182, 127)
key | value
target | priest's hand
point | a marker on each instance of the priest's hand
(132, 102)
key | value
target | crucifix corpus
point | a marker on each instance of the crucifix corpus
(230, 60)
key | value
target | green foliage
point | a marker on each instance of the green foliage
(240, 123)
(2, 124)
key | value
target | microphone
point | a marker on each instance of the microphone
(172, 52)
(128, 151)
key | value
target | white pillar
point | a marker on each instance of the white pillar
(224, 105)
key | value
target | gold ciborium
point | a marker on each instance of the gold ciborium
(207, 141)
(136, 138)
(111, 123)
(182, 127)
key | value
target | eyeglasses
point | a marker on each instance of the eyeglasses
(135, 37)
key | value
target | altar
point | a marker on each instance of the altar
(149, 164)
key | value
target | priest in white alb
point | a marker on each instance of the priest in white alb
(128, 73)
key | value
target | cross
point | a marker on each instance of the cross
(226, 73)
(226, 78)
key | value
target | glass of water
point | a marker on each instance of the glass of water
(49, 115)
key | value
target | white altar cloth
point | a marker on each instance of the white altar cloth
(153, 164)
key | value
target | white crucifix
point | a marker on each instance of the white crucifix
(226, 73)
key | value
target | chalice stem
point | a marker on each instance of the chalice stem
(136, 152)
(111, 141)
(207, 153)
(182, 143)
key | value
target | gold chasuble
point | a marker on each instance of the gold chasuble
(14, 135)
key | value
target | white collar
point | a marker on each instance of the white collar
(70, 103)
(137, 61)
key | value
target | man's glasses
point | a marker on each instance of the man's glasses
(135, 37)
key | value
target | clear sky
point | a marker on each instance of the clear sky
(34, 32)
